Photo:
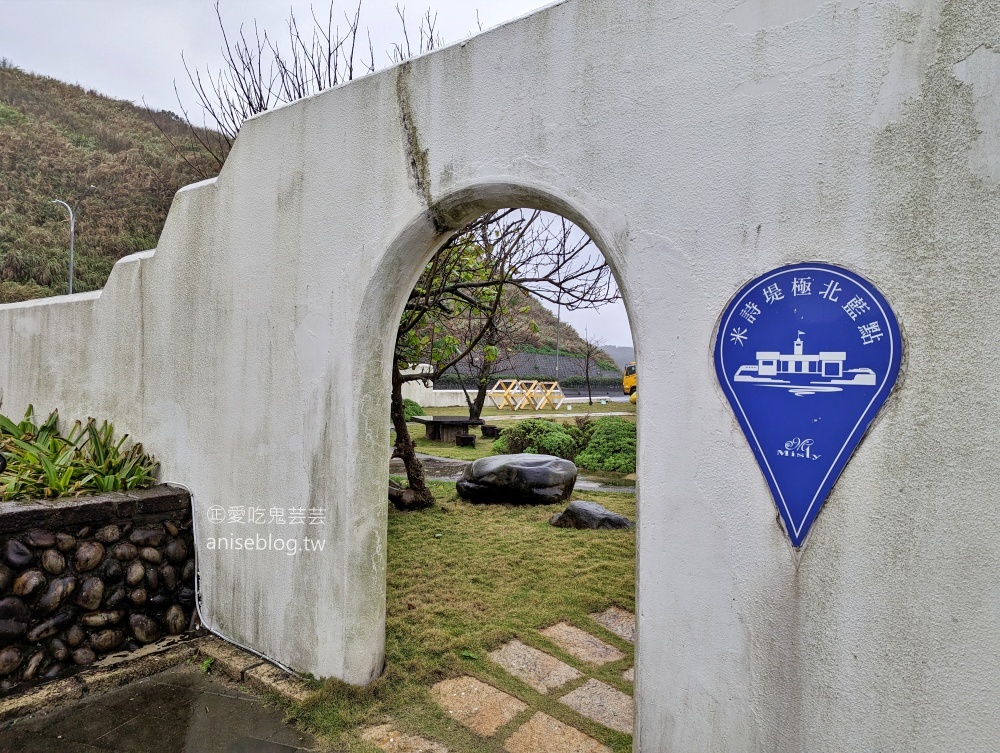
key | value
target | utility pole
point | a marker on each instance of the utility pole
(558, 318)
(72, 228)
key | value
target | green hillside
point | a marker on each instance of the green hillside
(55, 140)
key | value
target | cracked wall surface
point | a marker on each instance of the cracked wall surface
(700, 143)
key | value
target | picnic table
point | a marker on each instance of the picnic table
(446, 428)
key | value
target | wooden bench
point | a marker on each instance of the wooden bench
(490, 432)
(465, 440)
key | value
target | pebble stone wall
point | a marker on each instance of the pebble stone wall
(89, 576)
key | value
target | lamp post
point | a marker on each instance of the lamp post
(558, 318)
(72, 229)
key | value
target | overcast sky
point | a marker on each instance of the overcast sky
(131, 49)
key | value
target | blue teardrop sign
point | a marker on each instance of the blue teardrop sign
(807, 354)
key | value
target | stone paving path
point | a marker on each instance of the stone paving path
(485, 709)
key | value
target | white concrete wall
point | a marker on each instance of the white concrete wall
(700, 142)
(426, 395)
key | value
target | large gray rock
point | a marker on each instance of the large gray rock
(522, 479)
(582, 514)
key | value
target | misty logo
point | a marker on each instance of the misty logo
(799, 448)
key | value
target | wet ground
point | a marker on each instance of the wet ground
(182, 710)
(447, 469)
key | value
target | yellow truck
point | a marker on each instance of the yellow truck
(628, 380)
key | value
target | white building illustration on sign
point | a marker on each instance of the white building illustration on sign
(820, 371)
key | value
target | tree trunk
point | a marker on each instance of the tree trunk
(590, 397)
(420, 496)
(476, 407)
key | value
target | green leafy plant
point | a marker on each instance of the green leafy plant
(42, 462)
(412, 408)
(611, 446)
(206, 665)
(537, 435)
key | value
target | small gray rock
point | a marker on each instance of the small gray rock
(135, 573)
(58, 650)
(114, 598)
(10, 660)
(52, 626)
(53, 561)
(6, 578)
(175, 620)
(58, 591)
(152, 536)
(84, 656)
(152, 578)
(159, 602)
(14, 618)
(17, 555)
(522, 479)
(107, 640)
(65, 542)
(102, 619)
(108, 534)
(29, 583)
(176, 551)
(187, 574)
(171, 527)
(582, 514)
(54, 670)
(75, 636)
(40, 539)
(12, 608)
(138, 596)
(33, 666)
(168, 574)
(91, 593)
(126, 552)
(88, 556)
(144, 628)
(151, 555)
(111, 572)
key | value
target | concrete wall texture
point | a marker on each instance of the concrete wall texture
(700, 143)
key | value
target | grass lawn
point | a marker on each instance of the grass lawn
(461, 581)
(483, 447)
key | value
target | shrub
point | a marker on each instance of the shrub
(611, 446)
(537, 435)
(42, 462)
(412, 408)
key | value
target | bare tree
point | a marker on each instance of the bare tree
(507, 250)
(593, 347)
(259, 73)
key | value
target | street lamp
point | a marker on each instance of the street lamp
(72, 229)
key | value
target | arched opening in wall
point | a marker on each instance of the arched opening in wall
(511, 551)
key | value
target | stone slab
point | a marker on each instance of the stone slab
(229, 659)
(271, 679)
(390, 739)
(538, 669)
(619, 621)
(602, 703)
(22, 515)
(629, 674)
(480, 707)
(543, 734)
(582, 644)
